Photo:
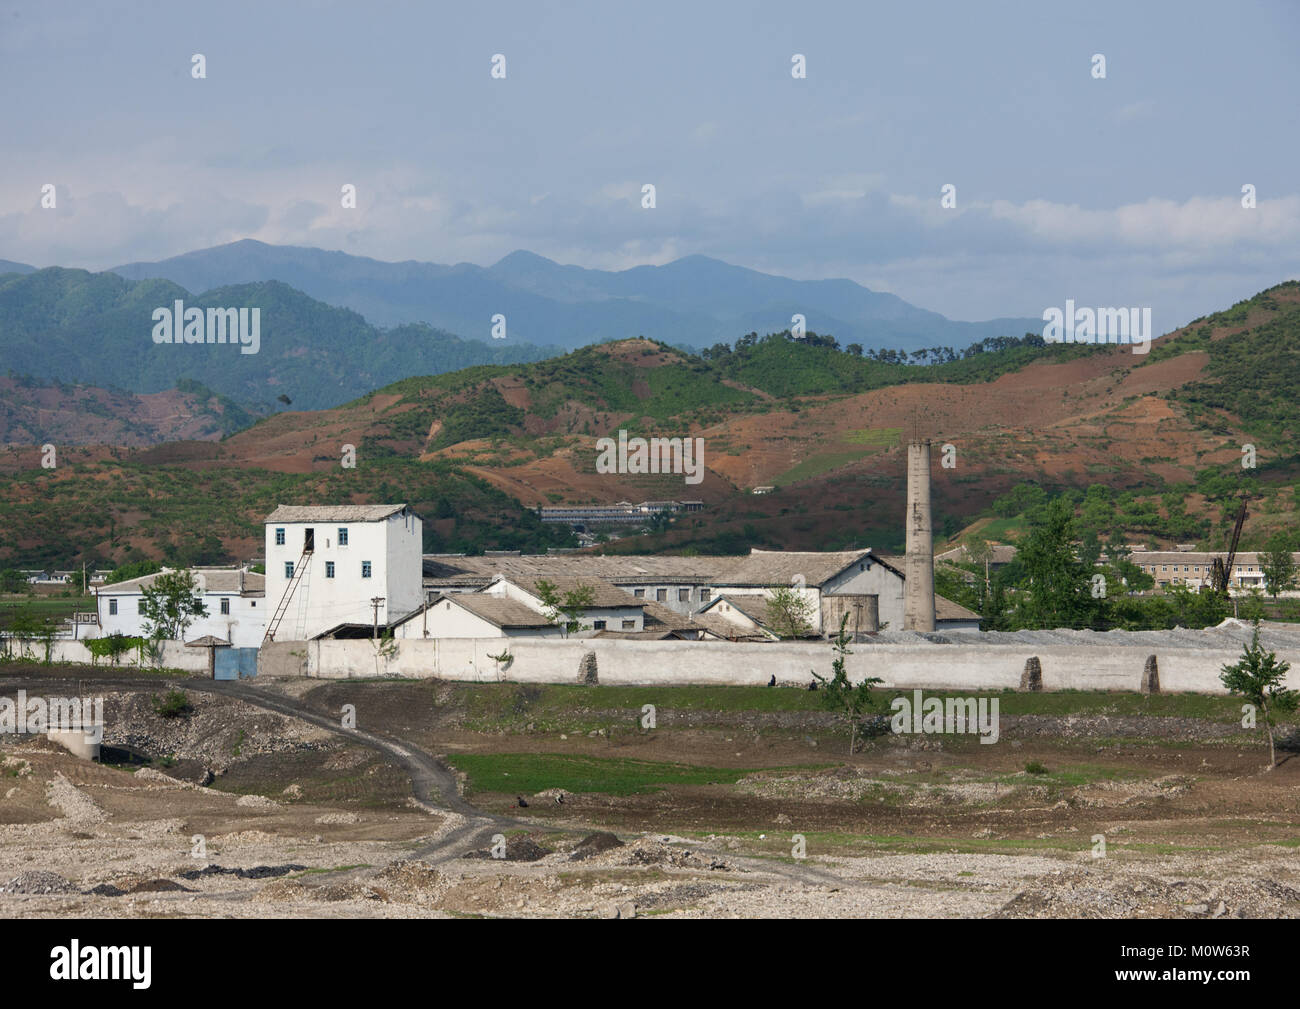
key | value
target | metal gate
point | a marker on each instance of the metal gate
(235, 663)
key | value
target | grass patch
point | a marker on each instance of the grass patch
(526, 773)
(570, 708)
(818, 464)
(885, 437)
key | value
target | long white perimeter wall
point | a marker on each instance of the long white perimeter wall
(175, 655)
(961, 667)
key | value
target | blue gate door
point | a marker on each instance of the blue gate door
(235, 663)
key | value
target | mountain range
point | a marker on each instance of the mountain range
(696, 301)
(1150, 445)
(96, 328)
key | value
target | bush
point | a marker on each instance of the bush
(172, 704)
(1034, 767)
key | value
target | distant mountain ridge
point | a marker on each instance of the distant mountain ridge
(96, 328)
(696, 300)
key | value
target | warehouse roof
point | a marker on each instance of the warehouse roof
(781, 567)
(207, 579)
(603, 594)
(496, 610)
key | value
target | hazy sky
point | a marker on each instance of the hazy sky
(1117, 192)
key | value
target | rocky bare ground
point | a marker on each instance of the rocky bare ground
(84, 840)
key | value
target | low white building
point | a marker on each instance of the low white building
(328, 565)
(832, 582)
(475, 615)
(234, 598)
(610, 608)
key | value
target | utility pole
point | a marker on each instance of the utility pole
(374, 602)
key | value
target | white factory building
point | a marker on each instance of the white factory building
(329, 565)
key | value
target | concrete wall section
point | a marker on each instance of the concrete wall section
(956, 667)
(175, 654)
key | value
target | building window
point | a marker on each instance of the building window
(629, 625)
(661, 595)
(329, 569)
(343, 537)
(365, 569)
(225, 605)
(252, 602)
(112, 607)
(704, 595)
(639, 593)
(139, 605)
(279, 537)
(288, 569)
(683, 595)
(598, 625)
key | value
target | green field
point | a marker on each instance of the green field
(563, 708)
(535, 772)
(53, 608)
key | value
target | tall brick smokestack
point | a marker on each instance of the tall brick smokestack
(918, 597)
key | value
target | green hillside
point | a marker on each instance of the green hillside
(96, 328)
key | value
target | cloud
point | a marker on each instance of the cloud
(987, 258)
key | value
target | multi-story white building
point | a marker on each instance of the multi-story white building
(233, 597)
(334, 564)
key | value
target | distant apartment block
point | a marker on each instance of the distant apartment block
(1193, 568)
(622, 513)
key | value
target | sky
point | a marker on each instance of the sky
(1117, 191)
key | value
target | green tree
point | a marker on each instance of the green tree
(125, 572)
(564, 610)
(169, 605)
(993, 608)
(1259, 678)
(853, 704)
(30, 627)
(979, 551)
(789, 613)
(1057, 583)
(1278, 565)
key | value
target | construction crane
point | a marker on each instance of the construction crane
(1221, 574)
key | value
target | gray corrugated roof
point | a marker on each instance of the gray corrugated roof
(498, 610)
(660, 614)
(443, 569)
(779, 567)
(333, 513)
(946, 609)
(210, 579)
(604, 594)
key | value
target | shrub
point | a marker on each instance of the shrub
(172, 704)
